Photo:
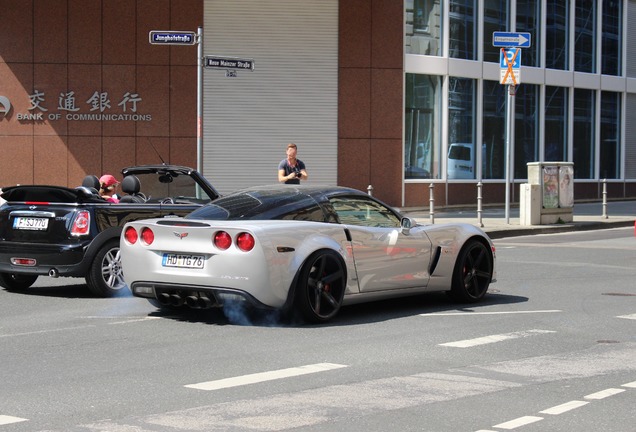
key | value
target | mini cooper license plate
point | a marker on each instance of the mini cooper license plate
(182, 260)
(30, 223)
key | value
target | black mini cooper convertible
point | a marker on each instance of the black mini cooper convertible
(60, 231)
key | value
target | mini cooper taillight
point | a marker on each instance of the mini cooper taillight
(131, 235)
(222, 240)
(147, 236)
(245, 241)
(81, 224)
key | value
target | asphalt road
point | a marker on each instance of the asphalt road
(552, 348)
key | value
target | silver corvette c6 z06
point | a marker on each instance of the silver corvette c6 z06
(303, 250)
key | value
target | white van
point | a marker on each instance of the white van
(461, 161)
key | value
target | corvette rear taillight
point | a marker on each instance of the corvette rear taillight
(245, 241)
(81, 224)
(131, 235)
(222, 240)
(147, 236)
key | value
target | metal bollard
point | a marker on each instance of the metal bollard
(479, 185)
(370, 190)
(605, 199)
(431, 203)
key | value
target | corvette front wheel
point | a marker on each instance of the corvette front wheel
(321, 286)
(473, 273)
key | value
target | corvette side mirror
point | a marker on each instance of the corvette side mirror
(407, 223)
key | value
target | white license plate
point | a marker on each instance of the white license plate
(30, 223)
(182, 260)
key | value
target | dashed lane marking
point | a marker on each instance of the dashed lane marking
(467, 343)
(518, 422)
(630, 385)
(632, 316)
(489, 313)
(568, 406)
(265, 376)
(5, 419)
(604, 393)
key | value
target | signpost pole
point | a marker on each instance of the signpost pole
(200, 100)
(509, 140)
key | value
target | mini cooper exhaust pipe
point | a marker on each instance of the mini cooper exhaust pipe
(53, 273)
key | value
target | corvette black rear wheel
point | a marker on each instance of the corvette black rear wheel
(473, 273)
(105, 277)
(17, 282)
(321, 286)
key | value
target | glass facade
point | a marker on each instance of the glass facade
(462, 29)
(585, 36)
(556, 124)
(422, 136)
(576, 117)
(583, 119)
(494, 131)
(557, 30)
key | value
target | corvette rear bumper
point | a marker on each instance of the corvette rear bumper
(193, 296)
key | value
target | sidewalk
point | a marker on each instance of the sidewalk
(586, 216)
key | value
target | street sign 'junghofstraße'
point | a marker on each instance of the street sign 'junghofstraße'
(158, 37)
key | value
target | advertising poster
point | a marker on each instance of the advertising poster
(566, 187)
(550, 187)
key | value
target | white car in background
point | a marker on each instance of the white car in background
(461, 161)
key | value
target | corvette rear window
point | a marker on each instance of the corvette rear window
(261, 206)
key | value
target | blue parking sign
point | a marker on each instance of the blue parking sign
(510, 55)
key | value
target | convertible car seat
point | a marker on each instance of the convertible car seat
(92, 183)
(131, 185)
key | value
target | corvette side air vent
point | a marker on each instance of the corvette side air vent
(435, 260)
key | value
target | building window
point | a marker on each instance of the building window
(423, 27)
(422, 126)
(610, 154)
(557, 31)
(611, 52)
(496, 18)
(556, 124)
(461, 128)
(494, 131)
(526, 129)
(583, 122)
(585, 36)
(529, 20)
(462, 29)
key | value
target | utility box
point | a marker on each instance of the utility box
(548, 197)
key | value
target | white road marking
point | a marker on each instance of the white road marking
(467, 343)
(5, 419)
(134, 320)
(568, 406)
(604, 393)
(632, 316)
(630, 385)
(46, 331)
(521, 421)
(491, 313)
(265, 376)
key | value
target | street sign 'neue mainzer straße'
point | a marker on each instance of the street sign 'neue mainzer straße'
(229, 63)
